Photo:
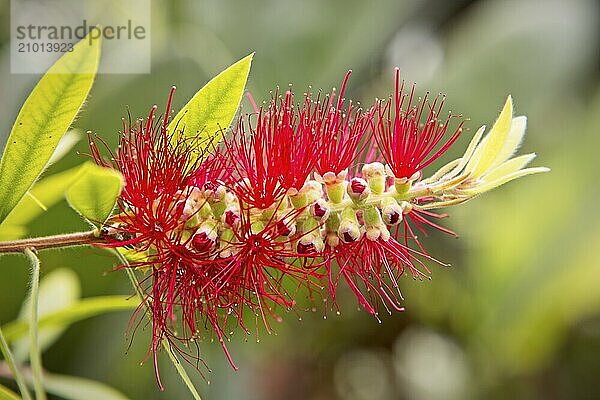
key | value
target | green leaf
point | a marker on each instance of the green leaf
(210, 112)
(85, 308)
(94, 194)
(491, 146)
(44, 118)
(49, 191)
(59, 290)
(7, 394)
(11, 232)
(75, 388)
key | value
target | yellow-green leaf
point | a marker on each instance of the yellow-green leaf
(210, 111)
(94, 194)
(508, 167)
(485, 187)
(44, 118)
(468, 158)
(494, 141)
(69, 139)
(513, 140)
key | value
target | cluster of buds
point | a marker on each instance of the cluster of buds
(281, 209)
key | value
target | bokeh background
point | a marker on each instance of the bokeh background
(518, 313)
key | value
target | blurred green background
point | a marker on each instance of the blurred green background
(518, 313)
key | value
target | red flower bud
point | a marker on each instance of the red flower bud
(202, 243)
(285, 228)
(358, 189)
(230, 218)
(320, 210)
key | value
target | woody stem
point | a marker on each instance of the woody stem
(47, 242)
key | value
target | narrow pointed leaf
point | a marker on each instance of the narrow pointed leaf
(35, 354)
(210, 112)
(514, 139)
(44, 118)
(469, 156)
(508, 167)
(507, 178)
(495, 140)
(69, 139)
(9, 360)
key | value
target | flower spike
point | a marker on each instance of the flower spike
(232, 238)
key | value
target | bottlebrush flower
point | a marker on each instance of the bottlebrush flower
(274, 154)
(233, 237)
(342, 131)
(159, 207)
(372, 269)
(258, 254)
(409, 130)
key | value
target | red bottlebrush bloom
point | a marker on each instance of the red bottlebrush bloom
(409, 130)
(260, 261)
(156, 169)
(342, 131)
(372, 268)
(213, 170)
(161, 178)
(233, 236)
(277, 153)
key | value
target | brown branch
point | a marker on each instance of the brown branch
(47, 242)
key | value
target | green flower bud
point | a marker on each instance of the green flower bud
(375, 175)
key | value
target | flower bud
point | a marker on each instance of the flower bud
(205, 238)
(403, 185)
(226, 249)
(190, 193)
(373, 233)
(310, 244)
(375, 174)
(285, 227)
(371, 216)
(332, 239)
(320, 210)
(230, 217)
(349, 231)
(391, 213)
(334, 184)
(313, 190)
(331, 178)
(358, 189)
(185, 208)
(214, 191)
(384, 234)
(202, 243)
(406, 207)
